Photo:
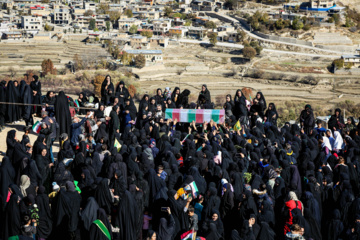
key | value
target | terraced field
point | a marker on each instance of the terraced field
(29, 55)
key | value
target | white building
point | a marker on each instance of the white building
(62, 16)
(161, 26)
(31, 24)
(90, 6)
(126, 23)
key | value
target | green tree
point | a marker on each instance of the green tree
(97, 39)
(256, 46)
(115, 53)
(255, 24)
(80, 30)
(88, 13)
(140, 61)
(241, 35)
(133, 29)
(125, 58)
(92, 24)
(188, 23)
(47, 27)
(307, 27)
(177, 15)
(168, 11)
(348, 22)
(114, 16)
(74, 30)
(108, 26)
(336, 18)
(128, 13)
(231, 4)
(297, 24)
(65, 31)
(280, 24)
(102, 8)
(249, 52)
(147, 33)
(338, 63)
(213, 38)
(210, 24)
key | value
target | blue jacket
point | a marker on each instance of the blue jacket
(76, 131)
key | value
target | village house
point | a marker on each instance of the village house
(151, 56)
(161, 26)
(31, 23)
(126, 23)
(62, 16)
(197, 32)
(178, 32)
(352, 60)
(139, 41)
(161, 41)
(11, 35)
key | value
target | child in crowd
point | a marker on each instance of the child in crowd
(146, 223)
(28, 230)
(199, 207)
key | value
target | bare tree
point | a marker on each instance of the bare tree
(12, 72)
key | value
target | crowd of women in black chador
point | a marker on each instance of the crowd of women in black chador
(19, 95)
(132, 179)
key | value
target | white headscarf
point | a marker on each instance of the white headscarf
(338, 141)
(329, 130)
(24, 184)
(326, 143)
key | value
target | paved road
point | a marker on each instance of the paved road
(280, 42)
(234, 45)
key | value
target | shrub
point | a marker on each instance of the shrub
(140, 61)
(247, 92)
(47, 27)
(132, 90)
(213, 38)
(97, 84)
(307, 27)
(210, 24)
(297, 24)
(147, 33)
(47, 67)
(348, 65)
(133, 29)
(249, 52)
(129, 13)
(338, 63)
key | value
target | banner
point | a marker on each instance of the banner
(197, 115)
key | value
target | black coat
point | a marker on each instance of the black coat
(62, 113)
(12, 96)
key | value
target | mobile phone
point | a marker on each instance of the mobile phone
(164, 209)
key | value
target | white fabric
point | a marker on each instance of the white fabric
(326, 143)
(338, 141)
(107, 111)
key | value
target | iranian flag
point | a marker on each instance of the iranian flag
(36, 127)
(76, 103)
(187, 235)
(194, 189)
(197, 115)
